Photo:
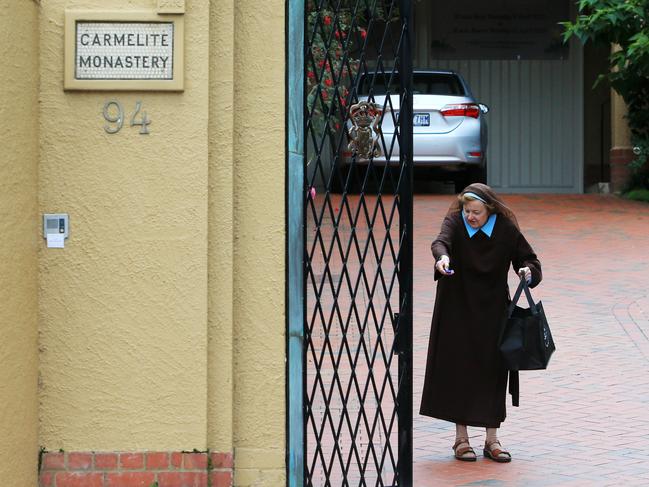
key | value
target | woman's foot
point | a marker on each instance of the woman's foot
(494, 451)
(463, 450)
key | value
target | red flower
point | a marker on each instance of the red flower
(311, 74)
(321, 63)
(327, 20)
(324, 94)
(337, 126)
(363, 33)
(328, 82)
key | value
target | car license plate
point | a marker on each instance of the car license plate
(421, 120)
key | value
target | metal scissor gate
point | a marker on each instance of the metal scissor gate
(349, 251)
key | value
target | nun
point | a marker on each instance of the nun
(466, 380)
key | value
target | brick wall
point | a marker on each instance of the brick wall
(620, 158)
(143, 469)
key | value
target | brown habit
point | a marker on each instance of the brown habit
(465, 378)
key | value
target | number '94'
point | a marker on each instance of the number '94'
(114, 116)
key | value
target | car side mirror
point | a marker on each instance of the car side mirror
(484, 108)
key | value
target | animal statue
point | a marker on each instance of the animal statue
(365, 117)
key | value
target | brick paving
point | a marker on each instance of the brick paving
(585, 420)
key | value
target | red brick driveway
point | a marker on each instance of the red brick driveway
(585, 420)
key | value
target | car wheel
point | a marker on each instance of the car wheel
(477, 175)
(338, 179)
(459, 184)
(470, 175)
(345, 180)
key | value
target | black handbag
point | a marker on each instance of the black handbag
(526, 341)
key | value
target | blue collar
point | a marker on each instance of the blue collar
(487, 228)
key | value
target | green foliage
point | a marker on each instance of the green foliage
(641, 152)
(337, 31)
(641, 194)
(639, 167)
(623, 23)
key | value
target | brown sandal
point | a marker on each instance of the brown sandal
(461, 451)
(495, 453)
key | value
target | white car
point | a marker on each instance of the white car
(449, 128)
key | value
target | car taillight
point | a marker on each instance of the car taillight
(461, 110)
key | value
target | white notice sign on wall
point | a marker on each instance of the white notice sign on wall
(124, 50)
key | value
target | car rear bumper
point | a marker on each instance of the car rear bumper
(454, 151)
(449, 162)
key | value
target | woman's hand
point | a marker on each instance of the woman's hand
(526, 273)
(442, 265)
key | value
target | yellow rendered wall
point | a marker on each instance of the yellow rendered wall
(19, 241)
(162, 321)
(259, 229)
(221, 226)
(621, 135)
(123, 308)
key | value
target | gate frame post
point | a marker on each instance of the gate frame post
(295, 282)
(405, 392)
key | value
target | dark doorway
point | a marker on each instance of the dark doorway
(597, 119)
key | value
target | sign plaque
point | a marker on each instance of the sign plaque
(498, 29)
(123, 51)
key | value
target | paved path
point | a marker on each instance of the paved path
(584, 421)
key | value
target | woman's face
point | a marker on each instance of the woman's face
(475, 213)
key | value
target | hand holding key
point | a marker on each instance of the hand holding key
(442, 266)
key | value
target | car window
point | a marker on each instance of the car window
(437, 84)
(379, 83)
(423, 83)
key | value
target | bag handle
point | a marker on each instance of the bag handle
(514, 301)
(523, 286)
(513, 374)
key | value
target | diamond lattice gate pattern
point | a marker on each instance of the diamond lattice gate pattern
(358, 265)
